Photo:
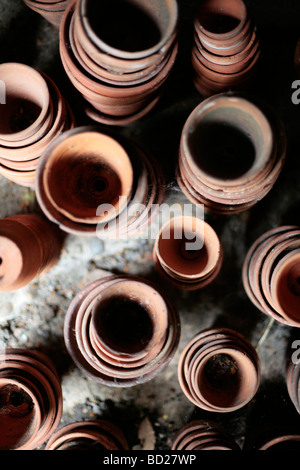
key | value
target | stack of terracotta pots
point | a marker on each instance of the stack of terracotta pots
(29, 246)
(34, 114)
(51, 10)
(283, 443)
(88, 435)
(226, 48)
(231, 153)
(203, 435)
(188, 253)
(119, 54)
(271, 274)
(293, 383)
(219, 370)
(30, 399)
(113, 190)
(121, 331)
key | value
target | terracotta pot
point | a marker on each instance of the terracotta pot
(217, 132)
(29, 246)
(292, 377)
(32, 119)
(121, 331)
(219, 370)
(226, 48)
(203, 435)
(31, 399)
(188, 253)
(107, 171)
(52, 11)
(118, 84)
(88, 435)
(271, 273)
(282, 443)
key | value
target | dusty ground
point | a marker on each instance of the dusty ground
(34, 316)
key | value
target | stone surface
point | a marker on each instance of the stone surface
(33, 317)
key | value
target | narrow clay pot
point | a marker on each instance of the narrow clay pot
(31, 399)
(88, 435)
(29, 246)
(51, 10)
(188, 252)
(119, 85)
(210, 170)
(109, 176)
(121, 331)
(203, 435)
(271, 272)
(219, 370)
(35, 113)
(226, 49)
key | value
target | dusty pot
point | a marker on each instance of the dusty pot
(30, 397)
(51, 10)
(271, 272)
(219, 370)
(217, 132)
(35, 113)
(226, 48)
(88, 435)
(121, 331)
(29, 246)
(107, 177)
(203, 435)
(120, 81)
(188, 252)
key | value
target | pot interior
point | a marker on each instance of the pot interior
(288, 289)
(219, 17)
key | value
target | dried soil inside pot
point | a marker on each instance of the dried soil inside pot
(124, 324)
(123, 25)
(17, 417)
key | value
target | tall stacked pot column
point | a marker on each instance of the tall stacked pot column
(34, 114)
(231, 153)
(226, 48)
(119, 65)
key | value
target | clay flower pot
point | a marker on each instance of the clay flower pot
(226, 48)
(282, 443)
(51, 10)
(271, 272)
(219, 370)
(293, 383)
(203, 435)
(107, 175)
(188, 252)
(30, 398)
(88, 435)
(121, 331)
(29, 246)
(210, 168)
(35, 113)
(119, 55)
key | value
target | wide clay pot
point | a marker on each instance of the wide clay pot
(226, 48)
(120, 80)
(108, 176)
(30, 398)
(219, 370)
(271, 272)
(121, 331)
(210, 169)
(203, 435)
(188, 253)
(89, 435)
(35, 113)
(51, 10)
(29, 246)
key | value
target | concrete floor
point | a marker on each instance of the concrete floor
(33, 317)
